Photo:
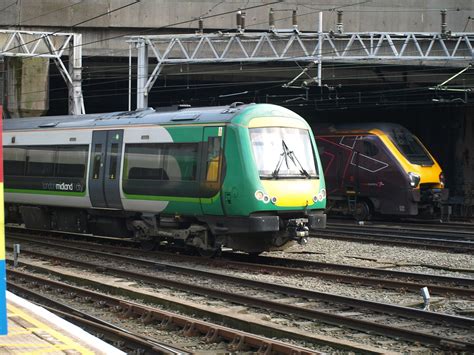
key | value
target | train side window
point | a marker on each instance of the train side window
(144, 162)
(113, 161)
(71, 161)
(40, 161)
(213, 158)
(180, 161)
(97, 161)
(14, 161)
(369, 148)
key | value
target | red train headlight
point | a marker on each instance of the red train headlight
(441, 178)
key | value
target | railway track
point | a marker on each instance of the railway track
(21, 282)
(445, 241)
(442, 285)
(443, 232)
(359, 315)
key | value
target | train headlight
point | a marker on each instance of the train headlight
(323, 193)
(414, 179)
(441, 179)
(266, 199)
(274, 200)
(259, 195)
(321, 196)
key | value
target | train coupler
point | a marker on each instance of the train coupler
(303, 241)
(298, 231)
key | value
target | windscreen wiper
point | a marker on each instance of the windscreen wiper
(283, 157)
(287, 153)
(295, 161)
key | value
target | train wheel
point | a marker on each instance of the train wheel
(209, 253)
(149, 244)
(362, 211)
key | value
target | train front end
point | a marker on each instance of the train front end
(424, 176)
(280, 189)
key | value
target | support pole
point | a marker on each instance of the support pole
(3, 278)
(444, 25)
(340, 24)
(130, 76)
(320, 48)
(142, 75)
(76, 100)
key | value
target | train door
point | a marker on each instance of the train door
(104, 170)
(213, 158)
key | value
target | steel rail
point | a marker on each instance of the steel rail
(406, 230)
(132, 342)
(366, 237)
(190, 326)
(304, 265)
(387, 281)
(314, 315)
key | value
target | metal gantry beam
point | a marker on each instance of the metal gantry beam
(51, 45)
(292, 45)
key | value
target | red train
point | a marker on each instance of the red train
(379, 168)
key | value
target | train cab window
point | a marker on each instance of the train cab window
(97, 161)
(410, 147)
(272, 144)
(213, 158)
(369, 148)
(113, 161)
(40, 161)
(14, 161)
(71, 161)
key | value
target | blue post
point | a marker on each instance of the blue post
(3, 279)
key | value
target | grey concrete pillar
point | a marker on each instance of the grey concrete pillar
(27, 85)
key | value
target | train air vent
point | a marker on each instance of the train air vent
(235, 104)
(48, 125)
(186, 116)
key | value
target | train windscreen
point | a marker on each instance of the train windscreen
(410, 147)
(282, 152)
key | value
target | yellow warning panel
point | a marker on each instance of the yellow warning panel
(31, 336)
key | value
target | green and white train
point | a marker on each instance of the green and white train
(247, 177)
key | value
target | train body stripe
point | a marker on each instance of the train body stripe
(173, 198)
(291, 122)
(46, 192)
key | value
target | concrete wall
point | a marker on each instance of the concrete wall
(26, 88)
(165, 16)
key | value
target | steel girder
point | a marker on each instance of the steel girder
(456, 49)
(52, 45)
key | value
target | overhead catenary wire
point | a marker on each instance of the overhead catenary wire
(253, 70)
(51, 12)
(8, 6)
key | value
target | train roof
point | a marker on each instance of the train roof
(358, 128)
(174, 115)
